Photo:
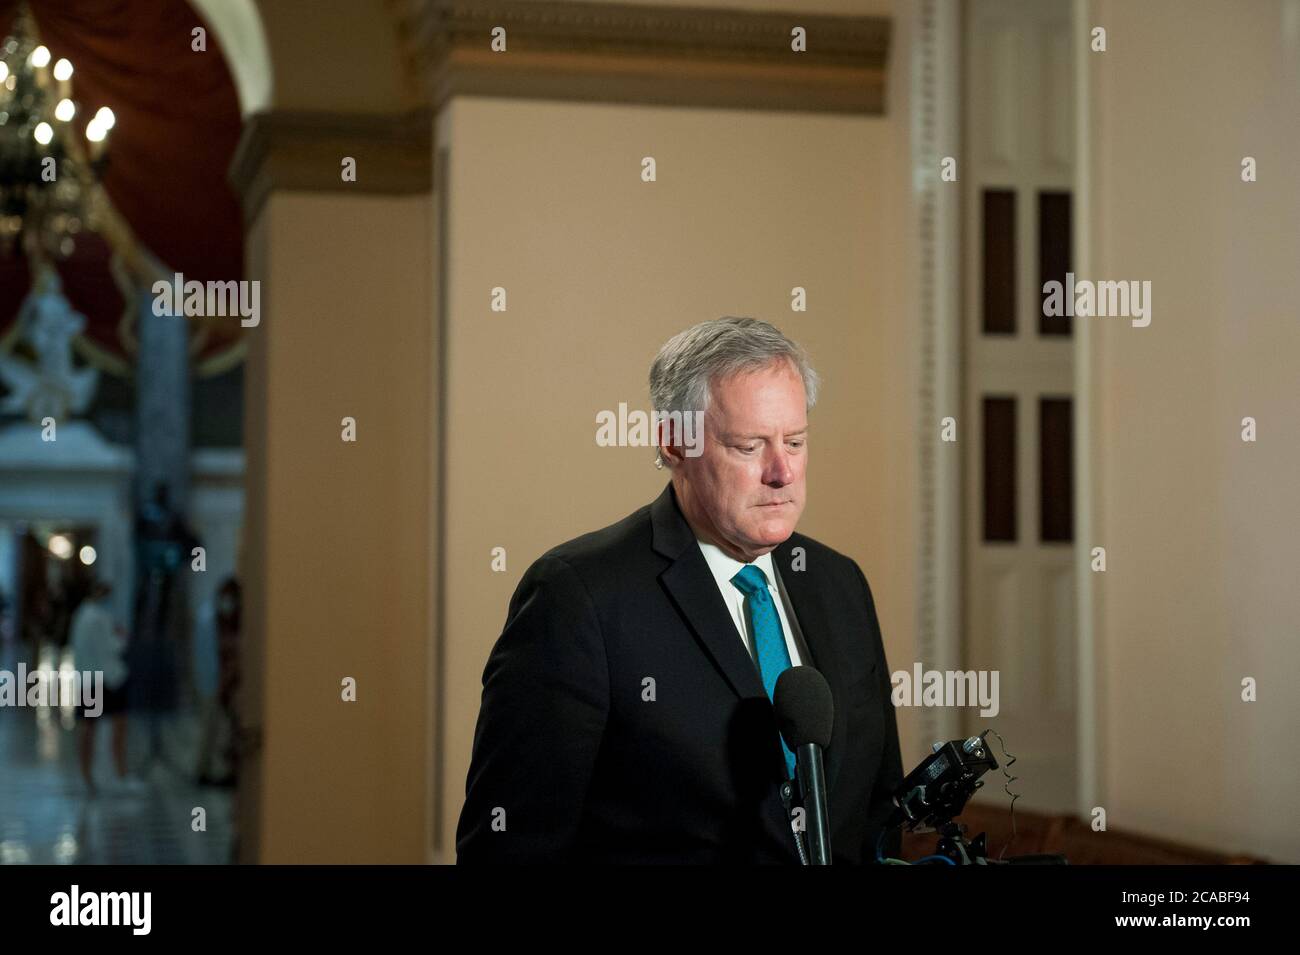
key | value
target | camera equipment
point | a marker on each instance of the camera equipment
(938, 789)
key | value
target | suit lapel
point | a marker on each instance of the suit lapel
(691, 586)
(815, 622)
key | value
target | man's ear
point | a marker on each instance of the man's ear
(670, 445)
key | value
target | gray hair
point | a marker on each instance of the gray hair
(685, 369)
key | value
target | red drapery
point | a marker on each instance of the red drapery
(177, 127)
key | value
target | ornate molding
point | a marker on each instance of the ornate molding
(302, 151)
(934, 99)
(632, 53)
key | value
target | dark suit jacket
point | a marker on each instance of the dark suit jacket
(579, 766)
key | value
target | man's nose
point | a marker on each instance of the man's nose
(777, 470)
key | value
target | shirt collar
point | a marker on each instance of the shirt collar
(725, 567)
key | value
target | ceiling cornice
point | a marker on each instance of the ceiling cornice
(301, 151)
(634, 53)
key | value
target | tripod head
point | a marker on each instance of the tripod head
(937, 791)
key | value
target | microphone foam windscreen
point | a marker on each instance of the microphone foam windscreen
(805, 710)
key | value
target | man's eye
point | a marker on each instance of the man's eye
(797, 444)
(746, 450)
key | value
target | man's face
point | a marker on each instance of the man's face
(755, 453)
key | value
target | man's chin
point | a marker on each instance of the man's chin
(772, 533)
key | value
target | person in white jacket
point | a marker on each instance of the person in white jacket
(97, 645)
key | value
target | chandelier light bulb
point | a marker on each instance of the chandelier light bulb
(65, 110)
(44, 133)
(4, 71)
(95, 132)
(40, 57)
(60, 546)
(105, 118)
(63, 70)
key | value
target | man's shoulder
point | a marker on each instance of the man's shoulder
(599, 553)
(617, 552)
(802, 553)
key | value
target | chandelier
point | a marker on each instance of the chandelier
(49, 161)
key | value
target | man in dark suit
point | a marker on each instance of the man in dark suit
(626, 713)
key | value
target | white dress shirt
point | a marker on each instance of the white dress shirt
(724, 568)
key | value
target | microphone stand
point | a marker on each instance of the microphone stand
(811, 775)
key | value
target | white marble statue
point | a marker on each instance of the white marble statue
(52, 386)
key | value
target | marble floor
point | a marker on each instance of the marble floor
(48, 817)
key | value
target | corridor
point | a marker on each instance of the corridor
(46, 816)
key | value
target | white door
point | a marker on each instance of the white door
(1018, 546)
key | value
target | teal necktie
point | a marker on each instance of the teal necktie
(769, 638)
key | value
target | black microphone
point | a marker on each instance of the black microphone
(805, 714)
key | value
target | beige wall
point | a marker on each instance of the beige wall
(338, 537)
(600, 269)
(1200, 528)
